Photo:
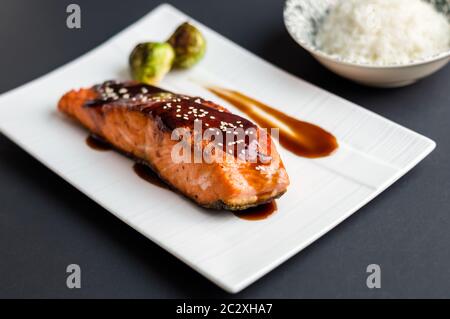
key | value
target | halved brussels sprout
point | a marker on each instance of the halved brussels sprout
(189, 45)
(150, 61)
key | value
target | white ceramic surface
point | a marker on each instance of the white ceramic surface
(302, 18)
(230, 251)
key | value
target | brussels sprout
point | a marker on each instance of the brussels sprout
(150, 61)
(189, 45)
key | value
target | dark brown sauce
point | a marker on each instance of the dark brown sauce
(259, 212)
(110, 89)
(147, 174)
(172, 110)
(97, 143)
(299, 137)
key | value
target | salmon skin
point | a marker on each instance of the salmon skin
(139, 120)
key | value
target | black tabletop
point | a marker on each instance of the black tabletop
(45, 224)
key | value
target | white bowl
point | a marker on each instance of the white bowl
(302, 18)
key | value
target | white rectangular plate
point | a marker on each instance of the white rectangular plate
(233, 253)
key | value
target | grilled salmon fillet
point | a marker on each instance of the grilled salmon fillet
(139, 120)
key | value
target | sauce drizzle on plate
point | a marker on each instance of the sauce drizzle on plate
(301, 138)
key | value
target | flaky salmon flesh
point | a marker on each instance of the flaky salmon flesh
(139, 120)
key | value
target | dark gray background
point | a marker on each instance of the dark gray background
(45, 224)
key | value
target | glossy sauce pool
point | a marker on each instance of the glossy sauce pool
(259, 212)
(147, 174)
(97, 144)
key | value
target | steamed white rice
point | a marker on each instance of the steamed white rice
(384, 32)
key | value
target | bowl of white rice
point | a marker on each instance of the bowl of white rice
(381, 43)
